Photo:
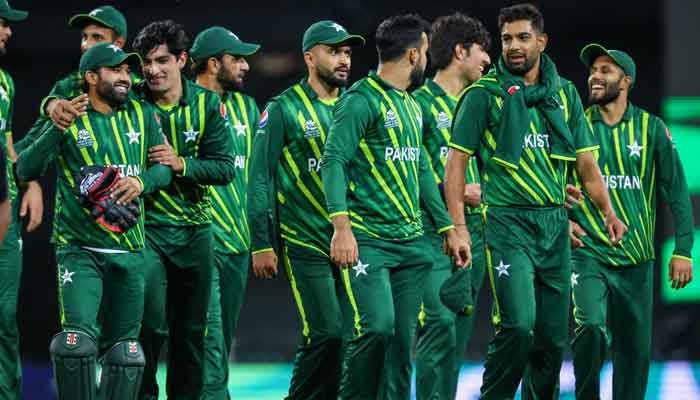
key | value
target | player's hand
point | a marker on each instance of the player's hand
(265, 264)
(32, 205)
(575, 233)
(458, 244)
(64, 112)
(680, 272)
(344, 251)
(126, 189)
(165, 154)
(616, 228)
(472, 194)
(574, 195)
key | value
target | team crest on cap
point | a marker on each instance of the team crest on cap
(133, 347)
(263, 119)
(95, 12)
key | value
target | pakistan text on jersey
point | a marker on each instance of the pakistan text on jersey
(402, 153)
(622, 182)
(536, 140)
(129, 169)
(314, 164)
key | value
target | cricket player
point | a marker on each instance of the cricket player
(376, 177)
(25, 202)
(103, 167)
(526, 125)
(66, 101)
(179, 242)
(458, 51)
(220, 65)
(5, 217)
(615, 283)
(287, 156)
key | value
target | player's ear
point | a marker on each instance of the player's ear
(120, 42)
(308, 59)
(413, 56)
(460, 52)
(91, 77)
(213, 65)
(542, 40)
(627, 81)
(182, 60)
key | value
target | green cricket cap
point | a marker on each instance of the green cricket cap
(330, 33)
(219, 40)
(592, 51)
(10, 13)
(106, 55)
(106, 15)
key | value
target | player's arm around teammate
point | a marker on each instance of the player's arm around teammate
(99, 230)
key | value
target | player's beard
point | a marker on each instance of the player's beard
(228, 82)
(328, 76)
(417, 75)
(525, 67)
(611, 93)
(108, 92)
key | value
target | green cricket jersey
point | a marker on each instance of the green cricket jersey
(121, 138)
(67, 88)
(540, 180)
(7, 97)
(229, 202)
(288, 149)
(374, 167)
(636, 156)
(198, 128)
(438, 111)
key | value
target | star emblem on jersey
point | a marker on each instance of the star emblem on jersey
(337, 27)
(502, 269)
(190, 135)
(574, 279)
(635, 149)
(67, 277)
(360, 269)
(133, 137)
(240, 129)
(114, 48)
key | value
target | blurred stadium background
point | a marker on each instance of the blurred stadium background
(660, 35)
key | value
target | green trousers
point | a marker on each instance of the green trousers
(178, 268)
(10, 276)
(228, 283)
(100, 294)
(612, 306)
(443, 336)
(385, 289)
(529, 257)
(318, 292)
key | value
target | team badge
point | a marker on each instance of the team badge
(443, 120)
(311, 130)
(263, 119)
(84, 139)
(390, 121)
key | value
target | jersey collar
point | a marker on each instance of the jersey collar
(626, 116)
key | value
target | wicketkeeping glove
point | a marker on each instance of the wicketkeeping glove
(96, 183)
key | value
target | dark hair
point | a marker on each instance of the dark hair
(450, 30)
(519, 12)
(200, 66)
(162, 32)
(397, 34)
